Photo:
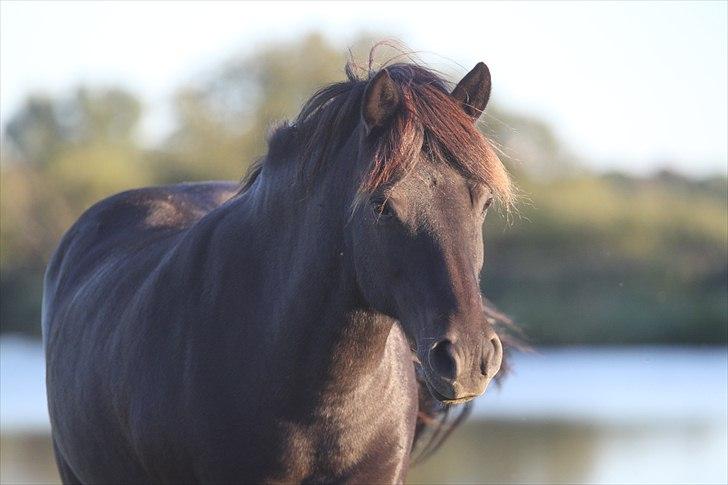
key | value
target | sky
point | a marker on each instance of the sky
(633, 86)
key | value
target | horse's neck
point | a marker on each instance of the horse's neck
(316, 317)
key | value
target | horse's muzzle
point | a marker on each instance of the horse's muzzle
(459, 371)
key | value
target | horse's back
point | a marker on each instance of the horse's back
(139, 224)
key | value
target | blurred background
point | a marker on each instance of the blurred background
(612, 118)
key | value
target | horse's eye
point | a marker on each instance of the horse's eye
(382, 207)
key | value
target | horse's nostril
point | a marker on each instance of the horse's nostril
(442, 359)
(492, 357)
(495, 341)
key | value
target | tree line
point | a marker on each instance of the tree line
(587, 259)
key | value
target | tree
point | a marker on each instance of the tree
(67, 153)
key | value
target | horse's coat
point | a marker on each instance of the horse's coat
(208, 333)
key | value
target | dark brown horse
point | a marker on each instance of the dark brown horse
(283, 331)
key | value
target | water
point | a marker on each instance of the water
(580, 415)
(22, 395)
(614, 385)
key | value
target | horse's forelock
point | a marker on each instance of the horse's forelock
(431, 119)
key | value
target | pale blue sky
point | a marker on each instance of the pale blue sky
(628, 86)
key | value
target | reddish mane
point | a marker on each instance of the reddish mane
(429, 121)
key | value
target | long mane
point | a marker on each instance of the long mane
(430, 122)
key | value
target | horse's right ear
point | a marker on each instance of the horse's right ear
(381, 100)
(473, 91)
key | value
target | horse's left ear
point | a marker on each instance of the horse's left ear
(473, 91)
(381, 100)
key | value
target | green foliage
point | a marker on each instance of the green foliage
(615, 259)
(590, 259)
(223, 121)
(528, 145)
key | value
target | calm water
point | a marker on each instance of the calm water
(636, 415)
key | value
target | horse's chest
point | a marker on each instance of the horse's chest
(362, 437)
(366, 438)
(365, 442)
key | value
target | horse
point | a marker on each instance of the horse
(299, 326)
